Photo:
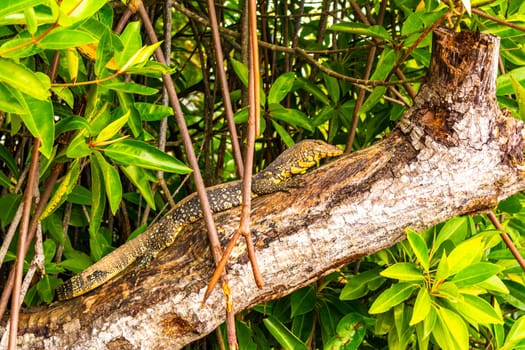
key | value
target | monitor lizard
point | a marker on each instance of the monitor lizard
(277, 176)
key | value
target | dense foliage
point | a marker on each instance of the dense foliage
(338, 71)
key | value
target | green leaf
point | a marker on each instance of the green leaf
(362, 29)
(465, 254)
(450, 331)
(9, 203)
(281, 87)
(359, 285)
(63, 39)
(8, 159)
(516, 334)
(310, 87)
(77, 10)
(475, 273)
(386, 63)
(242, 73)
(40, 122)
(152, 112)
(454, 229)
(351, 331)
(131, 87)
(72, 123)
(97, 208)
(114, 127)
(283, 133)
(332, 85)
(11, 100)
(419, 247)
(372, 99)
(284, 337)
(421, 307)
(63, 190)
(394, 295)
(477, 310)
(144, 155)
(138, 177)
(14, 6)
(140, 58)
(504, 81)
(131, 41)
(291, 116)
(519, 90)
(78, 147)
(303, 301)
(23, 79)
(111, 182)
(404, 272)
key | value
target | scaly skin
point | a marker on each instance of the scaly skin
(278, 176)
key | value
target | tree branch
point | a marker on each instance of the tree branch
(454, 152)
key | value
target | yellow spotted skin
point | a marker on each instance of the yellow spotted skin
(278, 176)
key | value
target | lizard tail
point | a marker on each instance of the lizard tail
(105, 269)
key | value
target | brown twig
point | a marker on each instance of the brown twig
(186, 139)
(505, 237)
(21, 251)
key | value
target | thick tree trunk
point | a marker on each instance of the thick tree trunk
(453, 153)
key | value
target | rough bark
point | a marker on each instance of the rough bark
(453, 153)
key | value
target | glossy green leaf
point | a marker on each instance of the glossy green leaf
(112, 129)
(11, 100)
(362, 29)
(77, 10)
(281, 87)
(421, 306)
(358, 286)
(40, 122)
(455, 230)
(242, 73)
(72, 123)
(9, 203)
(15, 6)
(7, 158)
(97, 208)
(450, 331)
(127, 105)
(284, 337)
(140, 57)
(303, 301)
(152, 112)
(131, 87)
(419, 247)
(394, 295)
(63, 190)
(283, 133)
(403, 271)
(111, 182)
(475, 273)
(23, 79)
(373, 99)
(494, 284)
(63, 39)
(351, 331)
(478, 310)
(31, 20)
(291, 116)
(504, 81)
(332, 85)
(310, 87)
(143, 155)
(5, 181)
(465, 254)
(516, 334)
(78, 147)
(132, 42)
(519, 90)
